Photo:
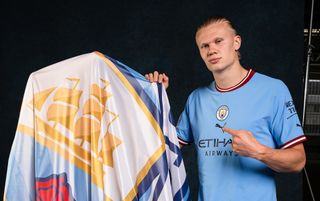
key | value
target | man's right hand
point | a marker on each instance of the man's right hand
(158, 77)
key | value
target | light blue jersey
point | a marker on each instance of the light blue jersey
(259, 104)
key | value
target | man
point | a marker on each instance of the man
(244, 124)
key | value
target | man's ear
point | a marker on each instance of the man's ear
(237, 42)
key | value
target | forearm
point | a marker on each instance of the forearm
(283, 160)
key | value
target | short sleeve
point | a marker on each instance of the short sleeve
(286, 126)
(183, 127)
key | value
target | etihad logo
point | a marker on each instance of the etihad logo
(216, 147)
(222, 112)
(220, 153)
(214, 142)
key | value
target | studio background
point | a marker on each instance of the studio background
(147, 36)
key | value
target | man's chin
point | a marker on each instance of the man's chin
(216, 69)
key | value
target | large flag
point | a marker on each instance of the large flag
(91, 128)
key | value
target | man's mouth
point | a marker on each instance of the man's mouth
(214, 60)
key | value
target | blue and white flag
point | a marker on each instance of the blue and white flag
(91, 128)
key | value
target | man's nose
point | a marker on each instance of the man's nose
(212, 50)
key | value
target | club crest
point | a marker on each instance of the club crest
(222, 112)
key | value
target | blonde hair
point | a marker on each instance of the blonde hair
(217, 19)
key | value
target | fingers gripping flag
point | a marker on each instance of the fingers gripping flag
(91, 128)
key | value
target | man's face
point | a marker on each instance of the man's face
(217, 44)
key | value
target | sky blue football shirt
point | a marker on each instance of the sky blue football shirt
(259, 104)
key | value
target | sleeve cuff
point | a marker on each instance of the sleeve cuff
(183, 142)
(294, 142)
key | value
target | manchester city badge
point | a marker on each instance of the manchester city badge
(222, 112)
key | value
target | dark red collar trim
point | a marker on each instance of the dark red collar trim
(240, 84)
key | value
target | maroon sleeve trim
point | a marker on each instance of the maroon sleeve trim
(183, 142)
(294, 142)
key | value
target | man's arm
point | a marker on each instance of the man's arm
(291, 159)
(285, 160)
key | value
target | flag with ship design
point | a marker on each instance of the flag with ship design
(91, 128)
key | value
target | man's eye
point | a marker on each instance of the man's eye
(219, 40)
(204, 46)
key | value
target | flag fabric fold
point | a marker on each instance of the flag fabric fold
(91, 128)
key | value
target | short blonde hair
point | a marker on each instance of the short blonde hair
(217, 19)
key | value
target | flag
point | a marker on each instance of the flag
(91, 128)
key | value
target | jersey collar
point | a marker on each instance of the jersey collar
(246, 79)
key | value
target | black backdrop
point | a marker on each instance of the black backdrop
(147, 35)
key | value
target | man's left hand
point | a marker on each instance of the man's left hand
(244, 143)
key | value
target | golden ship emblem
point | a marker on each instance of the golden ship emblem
(78, 127)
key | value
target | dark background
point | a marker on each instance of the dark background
(148, 35)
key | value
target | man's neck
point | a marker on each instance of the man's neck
(230, 77)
